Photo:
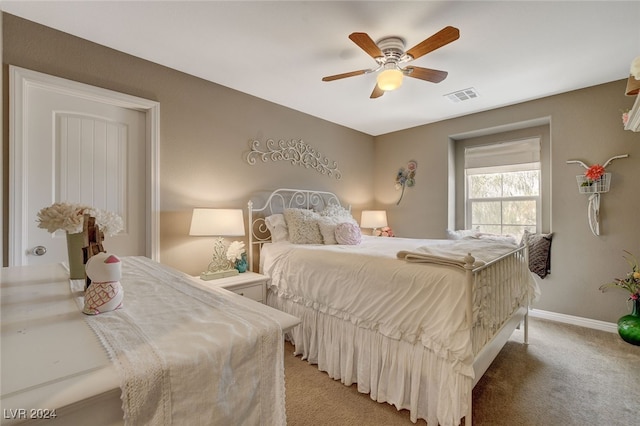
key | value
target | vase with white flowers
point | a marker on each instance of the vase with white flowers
(69, 217)
(237, 256)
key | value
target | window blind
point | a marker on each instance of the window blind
(525, 152)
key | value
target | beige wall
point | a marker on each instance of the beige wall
(205, 131)
(584, 124)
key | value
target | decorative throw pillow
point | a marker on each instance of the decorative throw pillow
(331, 217)
(335, 210)
(348, 233)
(303, 226)
(539, 252)
(277, 227)
(328, 229)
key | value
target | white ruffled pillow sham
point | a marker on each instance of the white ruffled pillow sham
(277, 227)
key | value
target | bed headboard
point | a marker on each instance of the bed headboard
(276, 202)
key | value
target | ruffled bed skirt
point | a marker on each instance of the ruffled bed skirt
(408, 376)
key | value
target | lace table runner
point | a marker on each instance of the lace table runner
(190, 355)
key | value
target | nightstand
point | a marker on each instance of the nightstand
(248, 284)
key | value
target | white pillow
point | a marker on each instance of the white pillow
(507, 239)
(328, 229)
(277, 227)
(303, 226)
(462, 234)
(335, 210)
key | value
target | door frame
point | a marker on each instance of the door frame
(19, 80)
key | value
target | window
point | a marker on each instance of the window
(502, 187)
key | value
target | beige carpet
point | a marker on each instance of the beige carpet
(566, 376)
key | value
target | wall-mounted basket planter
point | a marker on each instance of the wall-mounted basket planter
(586, 186)
(594, 188)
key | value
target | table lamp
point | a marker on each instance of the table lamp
(218, 223)
(373, 219)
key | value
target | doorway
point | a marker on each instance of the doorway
(66, 139)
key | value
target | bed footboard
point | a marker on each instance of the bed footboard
(497, 303)
(499, 289)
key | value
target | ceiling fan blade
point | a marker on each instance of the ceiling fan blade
(377, 92)
(434, 76)
(366, 43)
(344, 75)
(439, 39)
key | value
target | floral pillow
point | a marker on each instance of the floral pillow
(277, 227)
(348, 233)
(303, 226)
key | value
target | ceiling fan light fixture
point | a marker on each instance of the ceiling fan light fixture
(390, 79)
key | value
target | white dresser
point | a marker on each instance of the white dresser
(52, 364)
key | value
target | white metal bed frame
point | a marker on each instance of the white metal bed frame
(487, 338)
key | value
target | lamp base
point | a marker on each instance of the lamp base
(211, 275)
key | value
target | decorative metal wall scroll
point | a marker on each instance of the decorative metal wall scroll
(295, 151)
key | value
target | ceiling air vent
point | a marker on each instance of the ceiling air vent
(462, 95)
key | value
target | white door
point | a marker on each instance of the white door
(77, 149)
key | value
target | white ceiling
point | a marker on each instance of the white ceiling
(509, 52)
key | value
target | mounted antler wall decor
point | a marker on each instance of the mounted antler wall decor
(594, 181)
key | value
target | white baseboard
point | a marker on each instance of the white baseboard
(570, 319)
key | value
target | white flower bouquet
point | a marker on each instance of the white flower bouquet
(70, 218)
(235, 251)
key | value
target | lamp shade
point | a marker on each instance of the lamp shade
(217, 222)
(373, 219)
(390, 79)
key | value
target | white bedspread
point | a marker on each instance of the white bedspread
(190, 355)
(367, 285)
(395, 328)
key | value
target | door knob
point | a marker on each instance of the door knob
(39, 250)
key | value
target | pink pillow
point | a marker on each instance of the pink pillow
(348, 234)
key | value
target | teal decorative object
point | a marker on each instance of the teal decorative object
(629, 325)
(241, 264)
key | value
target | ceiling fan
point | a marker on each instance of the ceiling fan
(389, 53)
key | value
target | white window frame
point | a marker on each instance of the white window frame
(495, 158)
